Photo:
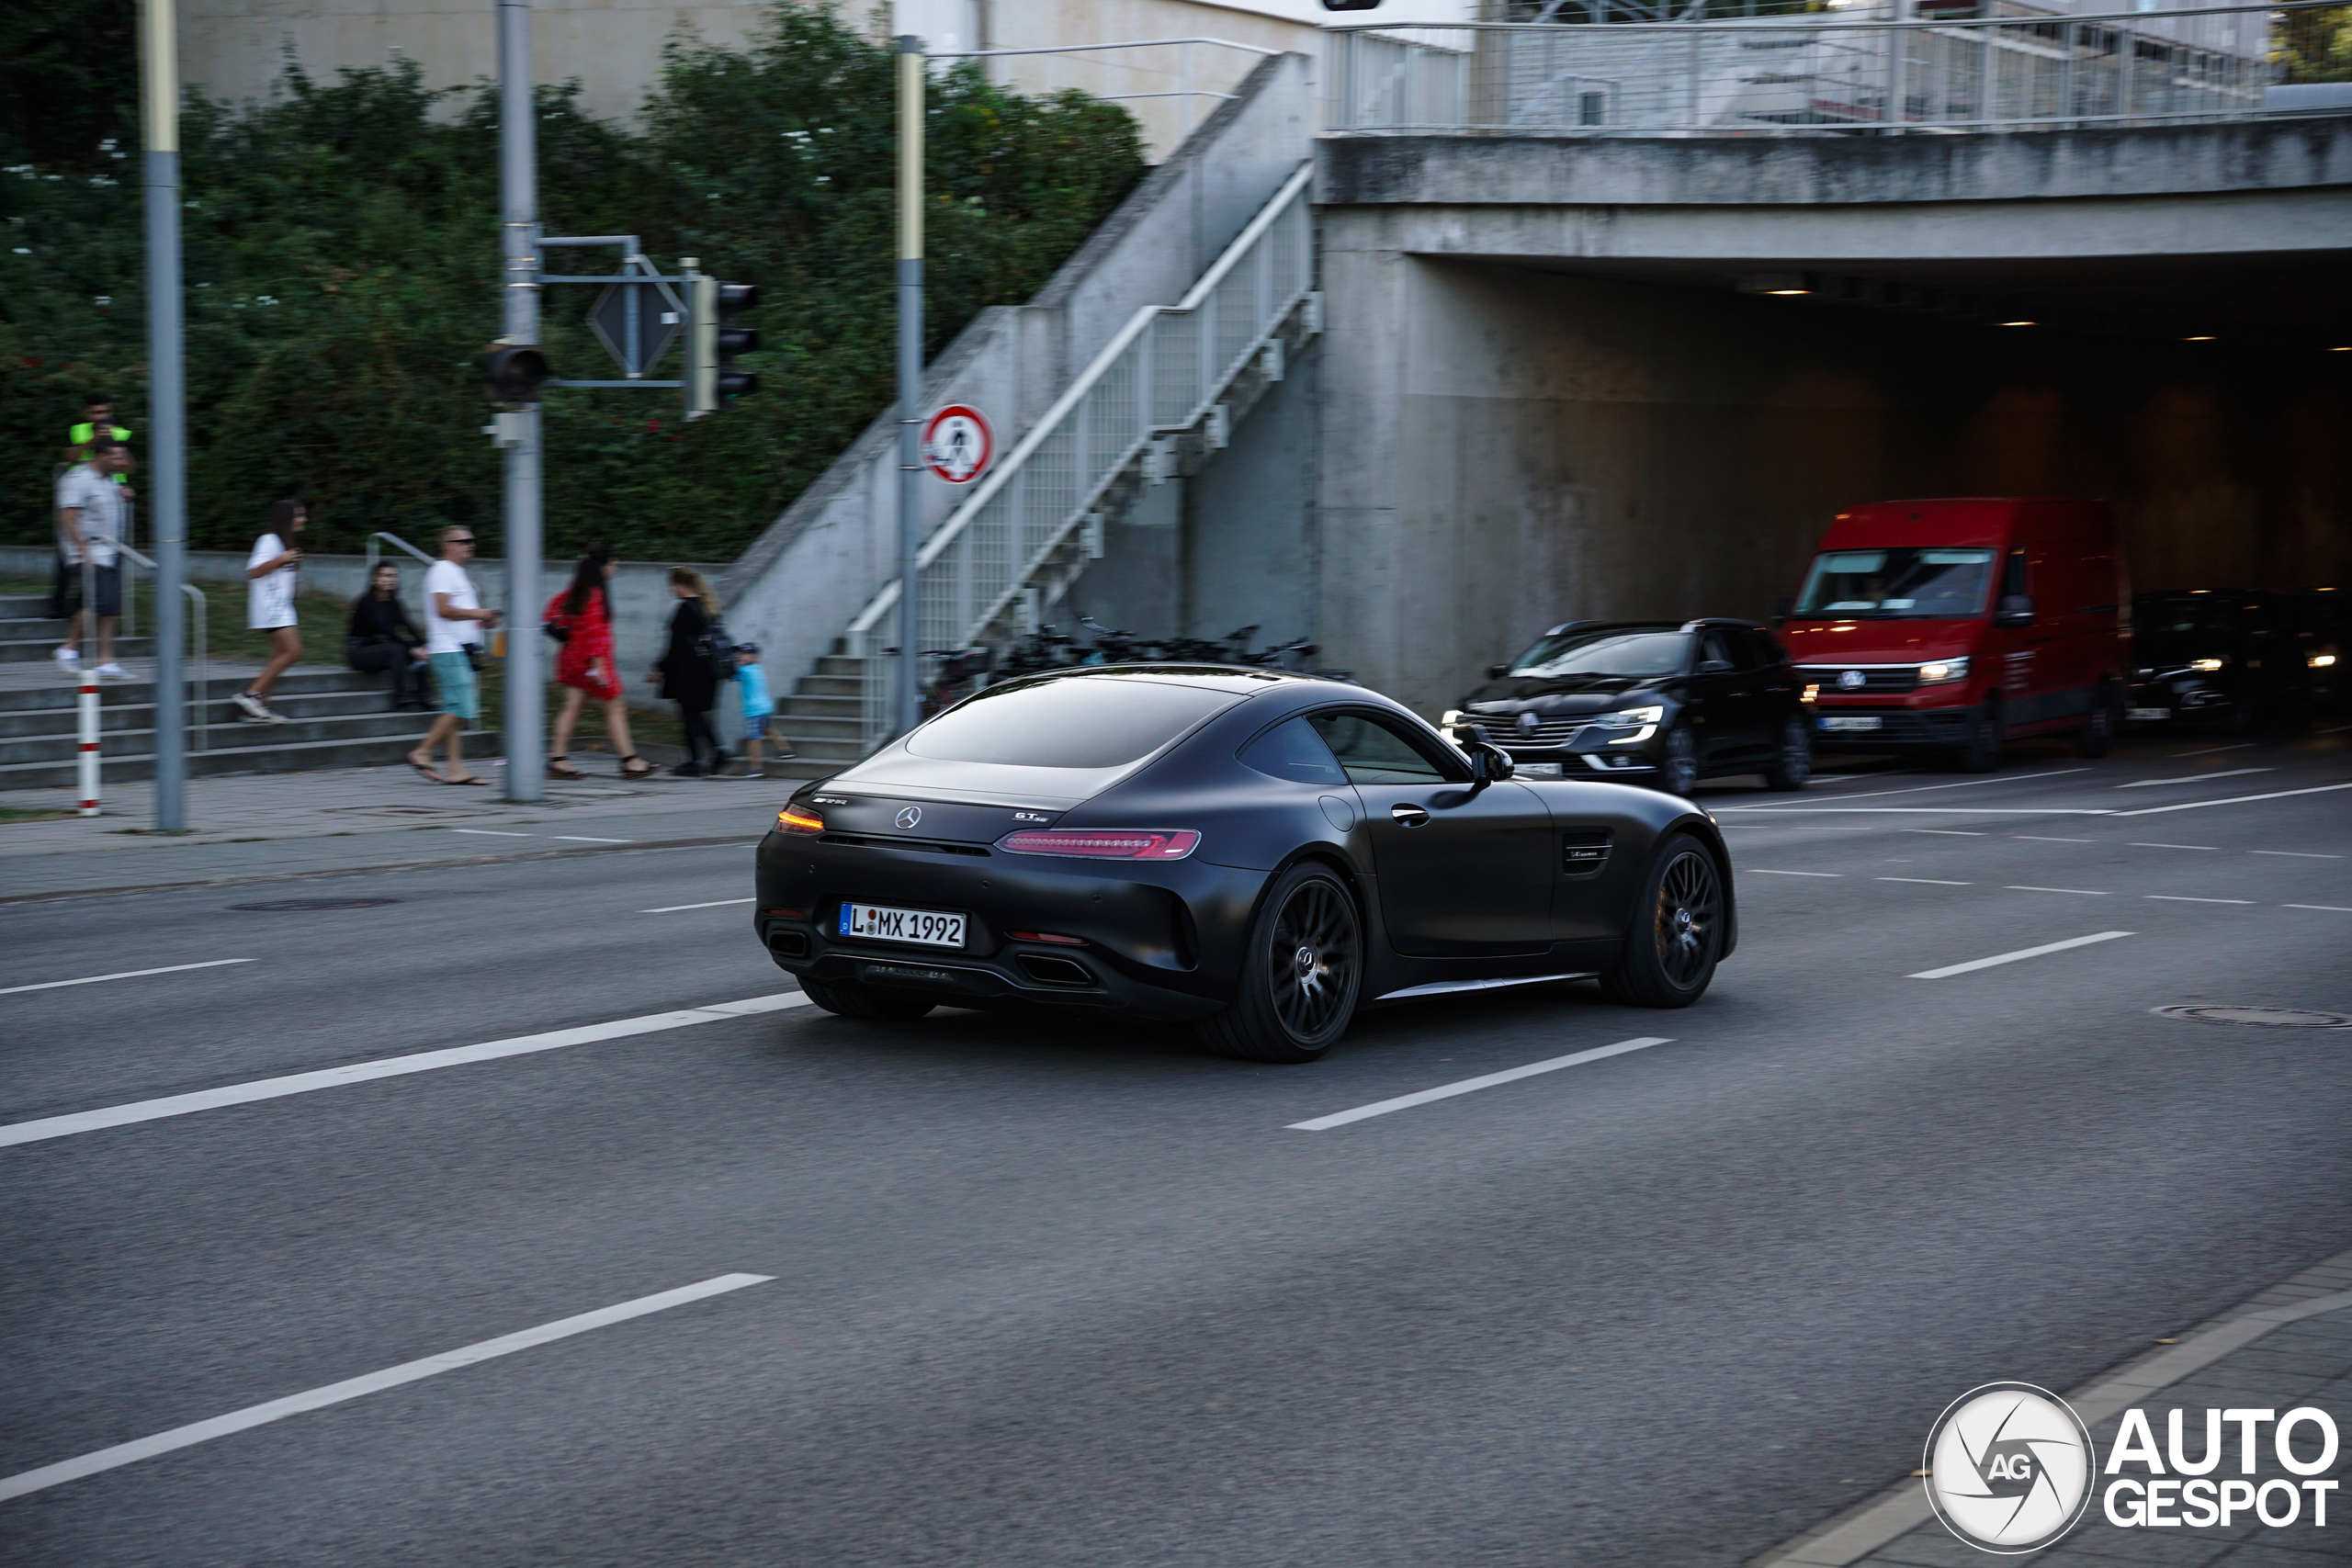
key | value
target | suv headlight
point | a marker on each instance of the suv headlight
(2321, 660)
(1452, 717)
(1644, 722)
(2207, 665)
(1941, 671)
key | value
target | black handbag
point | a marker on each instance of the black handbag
(557, 630)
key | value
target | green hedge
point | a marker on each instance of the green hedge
(341, 257)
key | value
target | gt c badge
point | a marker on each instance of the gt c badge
(910, 815)
(1031, 816)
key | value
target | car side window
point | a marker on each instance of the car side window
(2015, 583)
(1747, 648)
(1293, 750)
(1768, 650)
(1371, 752)
(1714, 644)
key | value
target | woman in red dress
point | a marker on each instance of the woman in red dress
(580, 616)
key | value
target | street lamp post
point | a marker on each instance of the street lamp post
(518, 246)
(911, 84)
(166, 398)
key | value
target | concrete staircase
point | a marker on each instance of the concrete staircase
(336, 718)
(821, 719)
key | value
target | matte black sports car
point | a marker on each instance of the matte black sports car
(1256, 853)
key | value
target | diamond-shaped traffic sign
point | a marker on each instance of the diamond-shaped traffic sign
(637, 320)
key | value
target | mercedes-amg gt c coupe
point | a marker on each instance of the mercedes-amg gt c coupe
(1255, 853)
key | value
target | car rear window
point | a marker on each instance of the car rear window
(1066, 722)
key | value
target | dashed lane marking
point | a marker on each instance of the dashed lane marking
(2185, 898)
(2232, 800)
(1963, 784)
(2209, 751)
(2331, 909)
(582, 839)
(492, 833)
(1468, 1086)
(122, 975)
(1950, 969)
(254, 1415)
(2193, 778)
(2086, 892)
(1929, 881)
(2138, 845)
(2039, 838)
(384, 1067)
(715, 903)
(2297, 854)
(1946, 833)
(1766, 870)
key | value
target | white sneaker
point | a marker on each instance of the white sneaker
(68, 659)
(110, 671)
(250, 708)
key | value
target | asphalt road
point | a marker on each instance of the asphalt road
(1043, 1295)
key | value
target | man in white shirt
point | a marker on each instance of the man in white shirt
(89, 523)
(272, 572)
(454, 622)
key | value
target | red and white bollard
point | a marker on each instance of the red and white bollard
(89, 743)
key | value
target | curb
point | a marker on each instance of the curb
(1863, 1529)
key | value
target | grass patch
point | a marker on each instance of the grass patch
(31, 814)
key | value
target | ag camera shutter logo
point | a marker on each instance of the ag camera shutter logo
(2009, 1468)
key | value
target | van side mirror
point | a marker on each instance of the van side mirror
(1782, 609)
(1496, 671)
(2016, 610)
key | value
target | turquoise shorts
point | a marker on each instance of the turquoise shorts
(453, 676)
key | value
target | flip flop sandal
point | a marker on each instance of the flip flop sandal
(468, 779)
(636, 767)
(559, 768)
(423, 770)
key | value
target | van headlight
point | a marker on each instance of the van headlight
(2207, 665)
(2321, 660)
(1644, 722)
(1942, 671)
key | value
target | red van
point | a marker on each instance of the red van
(1955, 623)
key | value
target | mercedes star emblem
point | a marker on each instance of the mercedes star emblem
(910, 815)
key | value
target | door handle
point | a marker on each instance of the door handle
(1408, 816)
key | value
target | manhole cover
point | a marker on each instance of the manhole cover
(274, 905)
(2275, 1018)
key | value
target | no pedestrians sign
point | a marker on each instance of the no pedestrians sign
(958, 444)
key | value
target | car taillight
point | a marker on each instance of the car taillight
(1102, 843)
(1048, 936)
(798, 819)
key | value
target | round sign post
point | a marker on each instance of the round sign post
(958, 444)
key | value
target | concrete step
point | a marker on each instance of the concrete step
(840, 753)
(23, 606)
(350, 752)
(53, 746)
(299, 681)
(840, 664)
(829, 686)
(805, 727)
(24, 629)
(824, 708)
(25, 650)
(805, 767)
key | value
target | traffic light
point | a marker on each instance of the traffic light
(515, 374)
(712, 378)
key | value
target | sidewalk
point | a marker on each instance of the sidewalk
(261, 825)
(2288, 1346)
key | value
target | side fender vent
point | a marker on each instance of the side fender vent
(1583, 850)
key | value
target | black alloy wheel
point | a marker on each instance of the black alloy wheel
(1678, 763)
(1792, 765)
(2096, 737)
(856, 1001)
(1669, 955)
(1300, 976)
(1980, 752)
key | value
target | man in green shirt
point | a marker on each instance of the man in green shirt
(97, 415)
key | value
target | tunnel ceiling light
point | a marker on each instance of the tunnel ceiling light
(2199, 337)
(2020, 324)
(1773, 283)
(2341, 348)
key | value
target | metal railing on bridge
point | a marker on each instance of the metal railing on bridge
(1964, 65)
(1164, 372)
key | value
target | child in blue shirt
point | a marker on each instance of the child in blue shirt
(759, 709)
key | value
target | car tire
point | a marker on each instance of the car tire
(856, 1001)
(1678, 931)
(1678, 761)
(1300, 974)
(2096, 738)
(1980, 752)
(1792, 765)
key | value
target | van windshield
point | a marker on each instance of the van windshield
(1903, 581)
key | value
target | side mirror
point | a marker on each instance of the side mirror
(1489, 763)
(1783, 608)
(1713, 666)
(1496, 671)
(2016, 610)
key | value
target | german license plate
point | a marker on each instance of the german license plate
(1833, 723)
(878, 923)
(2147, 713)
(1537, 771)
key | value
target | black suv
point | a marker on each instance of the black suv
(2235, 656)
(1648, 702)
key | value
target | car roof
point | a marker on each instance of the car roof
(1566, 626)
(1241, 680)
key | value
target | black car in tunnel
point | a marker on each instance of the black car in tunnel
(1657, 702)
(2231, 657)
(1255, 853)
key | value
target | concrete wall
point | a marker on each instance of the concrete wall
(1503, 449)
(801, 583)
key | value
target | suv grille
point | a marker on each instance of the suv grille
(1506, 732)
(1875, 678)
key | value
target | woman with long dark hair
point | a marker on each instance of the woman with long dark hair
(685, 673)
(581, 618)
(381, 637)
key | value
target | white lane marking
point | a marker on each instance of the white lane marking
(2232, 800)
(2332, 729)
(384, 1067)
(121, 974)
(1948, 832)
(1953, 810)
(1964, 783)
(582, 839)
(494, 833)
(2331, 909)
(1447, 1092)
(2038, 839)
(2138, 845)
(1767, 871)
(252, 1416)
(715, 903)
(2209, 751)
(1951, 969)
(2185, 898)
(2086, 892)
(2297, 854)
(1930, 881)
(2194, 778)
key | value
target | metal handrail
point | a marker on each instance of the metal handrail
(201, 681)
(394, 539)
(2019, 68)
(1163, 371)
